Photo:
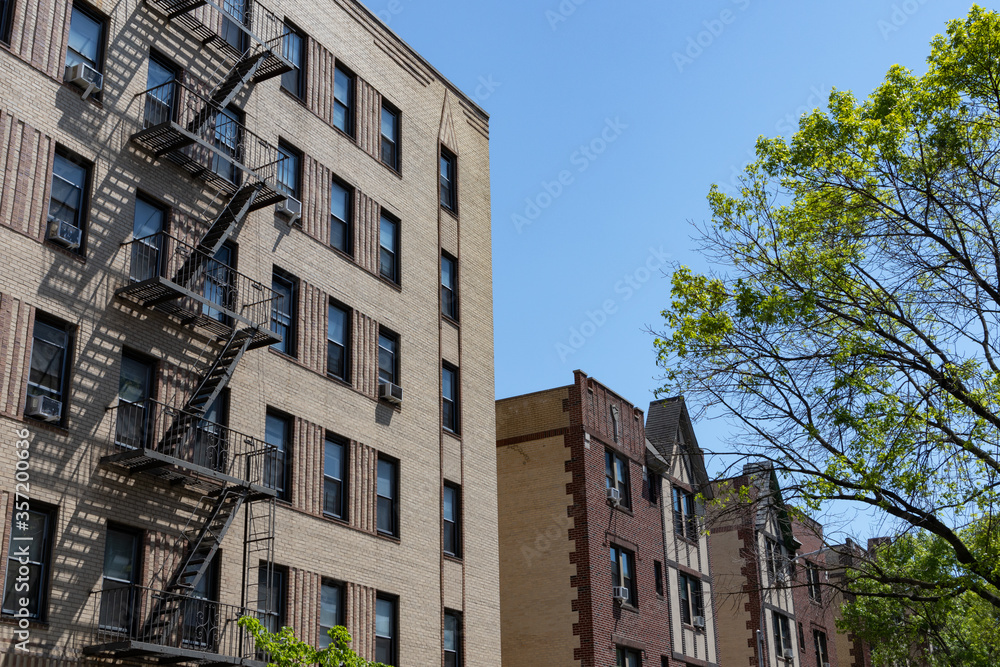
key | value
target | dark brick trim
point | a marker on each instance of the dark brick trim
(551, 433)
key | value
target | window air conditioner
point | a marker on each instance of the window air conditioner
(45, 408)
(826, 664)
(615, 496)
(789, 654)
(86, 77)
(699, 622)
(64, 233)
(620, 594)
(291, 208)
(390, 392)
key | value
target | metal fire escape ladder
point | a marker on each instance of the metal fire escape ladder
(220, 372)
(228, 89)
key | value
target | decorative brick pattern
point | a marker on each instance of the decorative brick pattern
(369, 110)
(316, 180)
(314, 307)
(307, 467)
(16, 321)
(363, 461)
(303, 604)
(361, 619)
(364, 350)
(26, 157)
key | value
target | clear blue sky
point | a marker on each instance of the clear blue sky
(683, 89)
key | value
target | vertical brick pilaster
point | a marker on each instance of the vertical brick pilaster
(316, 200)
(366, 232)
(304, 612)
(307, 466)
(16, 322)
(363, 463)
(314, 305)
(369, 118)
(361, 619)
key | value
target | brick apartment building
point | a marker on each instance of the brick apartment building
(246, 356)
(585, 578)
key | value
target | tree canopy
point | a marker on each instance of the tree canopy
(284, 649)
(852, 327)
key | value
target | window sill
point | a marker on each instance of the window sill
(33, 624)
(388, 538)
(455, 434)
(292, 95)
(60, 429)
(449, 211)
(65, 251)
(454, 559)
(94, 98)
(397, 171)
(629, 607)
(685, 538)
(342, 521)
(391, 283)
(622, 509)
(450, 320)
(347, 135)
(346, 255)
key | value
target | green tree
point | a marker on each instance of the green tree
(286, 650)
(854, 330)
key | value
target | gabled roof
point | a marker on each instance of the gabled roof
(666, 419)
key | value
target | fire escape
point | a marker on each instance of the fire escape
(195, 127)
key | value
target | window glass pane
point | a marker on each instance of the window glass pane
(450, 632)
(84, 40)
(342, 100)
(339, 202)
(386, 358)
(337, 325)
(448, 383)
(387, 234)
(292, 50)
(333, 461)
(449, 503)
(386, 478)
(32, 534)
(329, 612)
(288, 171)
(148, 219)
(133, 383)
(384, 618)
(388, 124)
(119, 556)
(160, 102)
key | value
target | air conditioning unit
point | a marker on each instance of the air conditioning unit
(86, 77)
(45, 408)
(614, 495)
(789, 654)
(780, 576)
(699, 621)
(390, 392)
(291, 208)
(620, 594)
(64, 233)
(826, 664)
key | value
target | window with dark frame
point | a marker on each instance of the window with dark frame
(293, 48)
(48, 370)
(69, 199)
(388, 357)
(219, 287)
(271, 597)
(161, 89)
(278, 434)
(228, 139)
(35, 534)
(285, 287)
(452, 515)
(147, 240)
(685, 514)
(453, 650)
(691, 597)
(6, 19)
(385, 630)
(135, 389)
(802, 637)
(616, 473)
(623, 573)
(822, 656)
(338, 321)
(449, 286)
(341, 197)
(449, 180)
(812, 582)
(449, 397)
(626, 657)
(343, 100)
(331, 614)
(387, 497)
(86, 39)
(120, 575)
(198, 611)
(782, 633)
(777, 563)
(335, 477)
(388, 241)
(390, 136)
(658, 575)
(289, 170)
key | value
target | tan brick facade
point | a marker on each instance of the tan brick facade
(39, 114)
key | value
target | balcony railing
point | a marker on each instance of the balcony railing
(177, 278)
(237, 27)
(185, 126)
(160, 440)
(139, 622)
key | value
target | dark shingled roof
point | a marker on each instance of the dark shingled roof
(663, 420)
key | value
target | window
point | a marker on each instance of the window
(388, 241)
(135, 389)
(782, 633)
(449, 184)
(277, 432)
(228, 140)
(452, 520)
(625, 657)
(234, 21)
(294, 51)
(452, 639)
(385, 630)
(220, 284)
(812, 582)
(121, 570)
(343, 100)
(86, 39)
(388, 357)
(68, 201)
(337, 327)
(774, 555)
(802, 638)
(658, 575)
(685, 516)
(289, 170)
(330, 610)
(623, 573)
(819, 640)
(199, 626)
(48, 374)
(28, 560)
(341, 197)
(449, 398)
(387, 493)
(690, 596)
(616, 475)
(652, 485)
(271, 597)
(283, 311)
(334, 477)
(210, 445)
(6, 19)
(390, 136)
(147, 240)
(161, 83)
(449, 287)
